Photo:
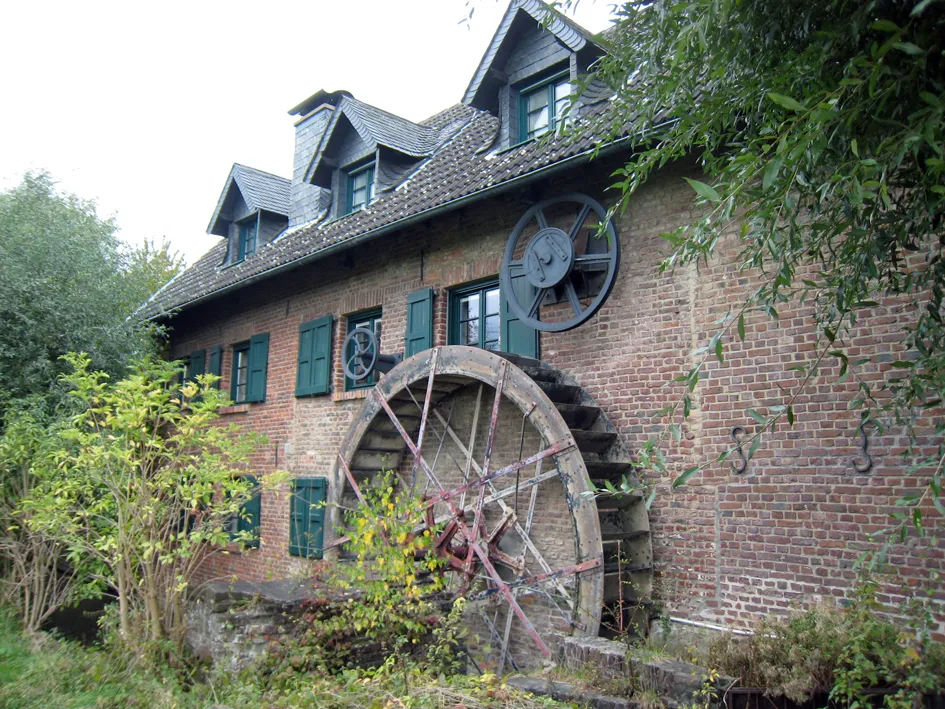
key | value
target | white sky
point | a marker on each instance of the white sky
(145, 106)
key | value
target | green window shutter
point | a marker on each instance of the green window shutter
(215, 364)
(258, 366)
(307, 517)
(517, 337)
(196, 364)
(314, 371)
(250, 513)
(419, 321)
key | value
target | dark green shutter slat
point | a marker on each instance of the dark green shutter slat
(195, 365)
(517, 337)
(307, 517)
(316, 521)
(215, 363)
(258, 365)
(419, 321)
(303, 377)
(251, 513)
(314, 370)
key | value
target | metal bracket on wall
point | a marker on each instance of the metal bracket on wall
(739, 466)
(864, 453)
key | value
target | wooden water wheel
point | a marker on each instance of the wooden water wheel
(498, 451)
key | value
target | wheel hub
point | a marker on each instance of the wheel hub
(549, 258)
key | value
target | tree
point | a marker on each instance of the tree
(819, 127)
(142, 487)
(148, 267)
(66, 284)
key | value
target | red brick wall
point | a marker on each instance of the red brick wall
(729, 546)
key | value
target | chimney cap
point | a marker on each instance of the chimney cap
(317, 99)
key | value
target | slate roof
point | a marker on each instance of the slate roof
(260, 190)
(377, 127)
(461, 170)
(570, 34)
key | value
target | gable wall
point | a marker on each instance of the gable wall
(536, 51)
(729, 547)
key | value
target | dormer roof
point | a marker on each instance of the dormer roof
(376, 128)
(520, 12)
(260, 190)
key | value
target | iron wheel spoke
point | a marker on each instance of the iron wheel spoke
(573, 297)
(593, 262)
(579, 222)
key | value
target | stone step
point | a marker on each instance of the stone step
(614, 472)
(560, 393)
(578, 417)
(593, 441)
(609, 502)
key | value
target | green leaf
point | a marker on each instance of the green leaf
(885, 26)
(755, 445)
(704, 190)
(684, 478)
(718, 350)
(909, 48)
(741, 327)
(931, 99)
(771, 172)
(790, 415)
(854, 147)
(786, 102)
(757, 417)
(920, 8)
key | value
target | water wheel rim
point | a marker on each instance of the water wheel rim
(518, 388)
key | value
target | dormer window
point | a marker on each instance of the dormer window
(542, 106)
(247, 237)
(360, 188)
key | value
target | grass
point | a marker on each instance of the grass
(44, 672)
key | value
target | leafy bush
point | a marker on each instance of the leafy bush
(141, 487)
(380, 602)
(840, 651)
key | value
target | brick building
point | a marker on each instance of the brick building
(401, 228)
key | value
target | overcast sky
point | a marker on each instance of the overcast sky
(144, 107)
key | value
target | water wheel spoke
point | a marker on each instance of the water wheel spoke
(468, 452)
(517, 264)
(498, 497)
(503, 588)
(542, 221)
(443, 497)
(423, 418)
(490, 444)
(579, 222)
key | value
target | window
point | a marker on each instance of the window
(475, 316)
(240, 378)
(541, 107)
(372, 321)
(480, 317)
(307, 517)
(247, 238)
(250, 365)
(360, 188)
(248, 518)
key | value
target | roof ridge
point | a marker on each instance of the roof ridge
(261, 172)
